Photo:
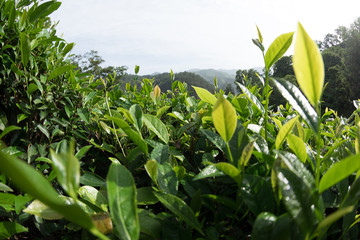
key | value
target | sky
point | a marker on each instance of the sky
(160, 35)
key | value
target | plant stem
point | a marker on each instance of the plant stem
(230, 155)
(317, 139)
(117, 137)
(266, 102)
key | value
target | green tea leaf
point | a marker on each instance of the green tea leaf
(180, 209)
(81, 153)
(263, 226)
(25, 48)
(291, 93)
(333, 217)
(137, 115)
(167, 179)
(209, 171)
(246, 154)
(134, 136)
(5, 188)
(40, 209)
(44, 130)
(224, 118)
(252, 98)
(278, 48)
(91, 179)
(9, 129)
(145, 196)
(157, 126)
(308, 66)
(257, 194)
(284, 131)
(152, 169)
(297, 145)
(44, 10)
(8, 229)
(205, 95)
(338, 171)
(67, 169)
(60, 70)
(230, 170)
(84, 114)
(31, 181)
(297, 199)
(122, 201)
(93, 196)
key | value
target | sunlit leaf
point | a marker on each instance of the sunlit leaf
(338, 171)
(308, 66)
(297, 145)
(284, 131)
(278, 48)
(205, 95)
(224, 118)
(40, 209)
(230, 170)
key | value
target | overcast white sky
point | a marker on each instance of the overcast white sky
(159, 35)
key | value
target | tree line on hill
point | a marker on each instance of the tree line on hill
(340, 51)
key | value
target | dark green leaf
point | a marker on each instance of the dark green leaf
(252, 98)
(91, 179)
(297, 199)
(134, 136)
(43, 10)
(145, 196)
(161, 153)
(9, 129)
(25, 48)
(291, 93)
(257, 194)
(30, 181)
(60, 70)
(209, 171)
(167, 179)
(7, 229)
(84, 114)
(180, 209)
(263, 226)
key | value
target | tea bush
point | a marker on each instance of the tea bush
(81, 155)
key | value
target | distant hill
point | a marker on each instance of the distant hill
(223, 77)
(164, 81)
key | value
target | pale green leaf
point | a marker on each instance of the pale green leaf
(297, 145)
(278, 48)
(230, 170)
(224, 118)
(42, 210)
(338, 171)
(284, 131)
(205, 95)
(308, 66)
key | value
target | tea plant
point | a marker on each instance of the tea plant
(81, 155)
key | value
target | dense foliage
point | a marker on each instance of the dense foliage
(85, 157)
